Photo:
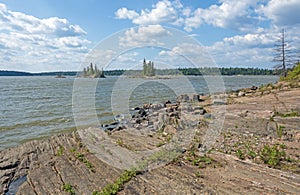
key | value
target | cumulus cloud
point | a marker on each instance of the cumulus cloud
(35, 44)
(243, 16)
(124, 13)
(163, 11)
(144, 35)
(244, 50)
(187, 55)
(248, 50)
(282, 12)
(232, 14)
(29, 24)
(251, 40)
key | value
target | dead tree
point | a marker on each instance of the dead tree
(283, 54)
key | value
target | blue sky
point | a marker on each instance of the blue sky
(55, 35)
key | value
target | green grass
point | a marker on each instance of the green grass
(240, 154)
(68, 188)
(252, 154)
(114, 188)
(60, 151)
(293, 113)
(292, 75)
(87, 163)
(200, 161)
(127, 175)
(121, 143)
(199, 174)
(272, 155)
(279, 130)
(160, 144)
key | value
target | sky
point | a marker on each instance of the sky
(55, 35)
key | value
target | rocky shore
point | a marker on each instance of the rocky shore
(256, 152)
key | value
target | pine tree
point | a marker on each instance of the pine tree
(144, 67)
(84, 72)
(91, 69)
(96, 71)
(148, 68)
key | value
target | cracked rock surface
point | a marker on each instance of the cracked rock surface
(77, 159)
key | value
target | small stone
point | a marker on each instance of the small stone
(196, 98)
(189, 109)
(208, 116)
(254, 88)
(183, 98)
(241, 93)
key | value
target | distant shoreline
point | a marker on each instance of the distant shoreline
(159, 72)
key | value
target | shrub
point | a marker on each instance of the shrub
(68, 188)
(271, 155)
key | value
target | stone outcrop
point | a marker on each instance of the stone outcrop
(85, 161)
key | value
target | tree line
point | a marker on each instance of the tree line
(199, 71)
(179, 71)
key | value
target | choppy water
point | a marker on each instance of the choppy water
(34, 107)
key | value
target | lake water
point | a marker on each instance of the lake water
(35, 107)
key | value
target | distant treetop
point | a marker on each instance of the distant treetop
(148, 68)
(93, 72)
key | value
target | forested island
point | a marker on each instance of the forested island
(92, 71)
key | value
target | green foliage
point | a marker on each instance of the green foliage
(118, 185)
(199, 174)
(293, 113)
(226, 71)
(60, 151)
(73, 150)
(93, 71)
(148, 68)
(88, 164)
(293, 75)
(198, 71)
(161, 143)
(279, 130)
(80, 156)
(252, 154)
(68, 188)
(240, 154)
(271, 155)
(202, 161)
(121, 143)
(95, 192)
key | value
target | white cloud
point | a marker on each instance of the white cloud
(251, 40)
(124, 13)
(249, 50)
(163, 11)
(100, 56)
(18, 21)
(254, 49)
(233, 14)
(282, 12)
(34, 44)
(187, 55)
(244, 16)
(127, 57)
(145, 35)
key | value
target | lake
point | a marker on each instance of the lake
(36, 107)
